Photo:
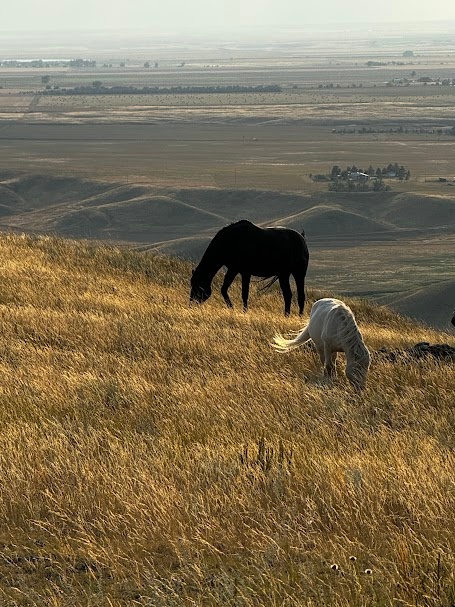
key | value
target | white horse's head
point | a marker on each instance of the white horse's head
(357, 369)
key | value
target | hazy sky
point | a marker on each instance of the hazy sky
(212, 15)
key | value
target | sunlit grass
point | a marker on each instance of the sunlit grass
(153, 453)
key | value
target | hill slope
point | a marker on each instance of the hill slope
(144, 214)
(181, 222)
(433, 305)
(153, 453)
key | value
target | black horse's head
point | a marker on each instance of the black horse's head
(200, 289)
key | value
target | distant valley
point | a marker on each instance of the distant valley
(392, 247)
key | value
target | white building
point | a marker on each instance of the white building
(357, 176)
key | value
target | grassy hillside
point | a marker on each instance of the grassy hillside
(153, 453)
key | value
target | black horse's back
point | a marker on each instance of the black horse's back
(263, 252)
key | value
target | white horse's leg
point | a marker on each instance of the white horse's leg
(321, 355)
(329, 362)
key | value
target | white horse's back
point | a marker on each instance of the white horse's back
(331, 322)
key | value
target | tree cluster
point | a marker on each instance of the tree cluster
(39, 63)
(97, 88)
(82, 63)
(395, 130)
(35, 63)
(359, 186)
(425, 80)
(379, 173)
(382, 63)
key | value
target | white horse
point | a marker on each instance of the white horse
(333, 328)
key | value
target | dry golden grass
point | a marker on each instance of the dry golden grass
(157, 454)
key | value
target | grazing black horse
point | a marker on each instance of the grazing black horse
(249, 250)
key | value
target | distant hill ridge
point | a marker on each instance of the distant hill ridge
(65, 205)
(181, 221)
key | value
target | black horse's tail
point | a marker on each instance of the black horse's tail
(269, 283)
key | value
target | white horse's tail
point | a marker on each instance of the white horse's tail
(282, 344)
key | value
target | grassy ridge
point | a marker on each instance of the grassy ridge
(157, 454)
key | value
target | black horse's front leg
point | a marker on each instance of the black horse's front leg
(228, 280)
(287, 293)
(245, 290)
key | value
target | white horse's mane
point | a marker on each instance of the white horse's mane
(349, 332)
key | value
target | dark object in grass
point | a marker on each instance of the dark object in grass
(422, 350)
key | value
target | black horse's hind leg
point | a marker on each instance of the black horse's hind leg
(300, 284)
(245, 290)
(228, 280)
(287, 293)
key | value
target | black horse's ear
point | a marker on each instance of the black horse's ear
(192, 272)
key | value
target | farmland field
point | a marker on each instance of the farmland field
(356, 102)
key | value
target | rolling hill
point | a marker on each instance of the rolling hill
(432, 305)
(156, 453)
(180, 222)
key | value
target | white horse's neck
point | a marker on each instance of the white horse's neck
(356, 350)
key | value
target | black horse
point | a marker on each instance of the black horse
(453, 319)
(249, 250)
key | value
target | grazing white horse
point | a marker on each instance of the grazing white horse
(333, 328)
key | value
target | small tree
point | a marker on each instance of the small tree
(401, 173)
(45, 79)
(147, 64)
(335, 172)
(379, 186)
(97, 84)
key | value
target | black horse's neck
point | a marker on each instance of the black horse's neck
(210, 263)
